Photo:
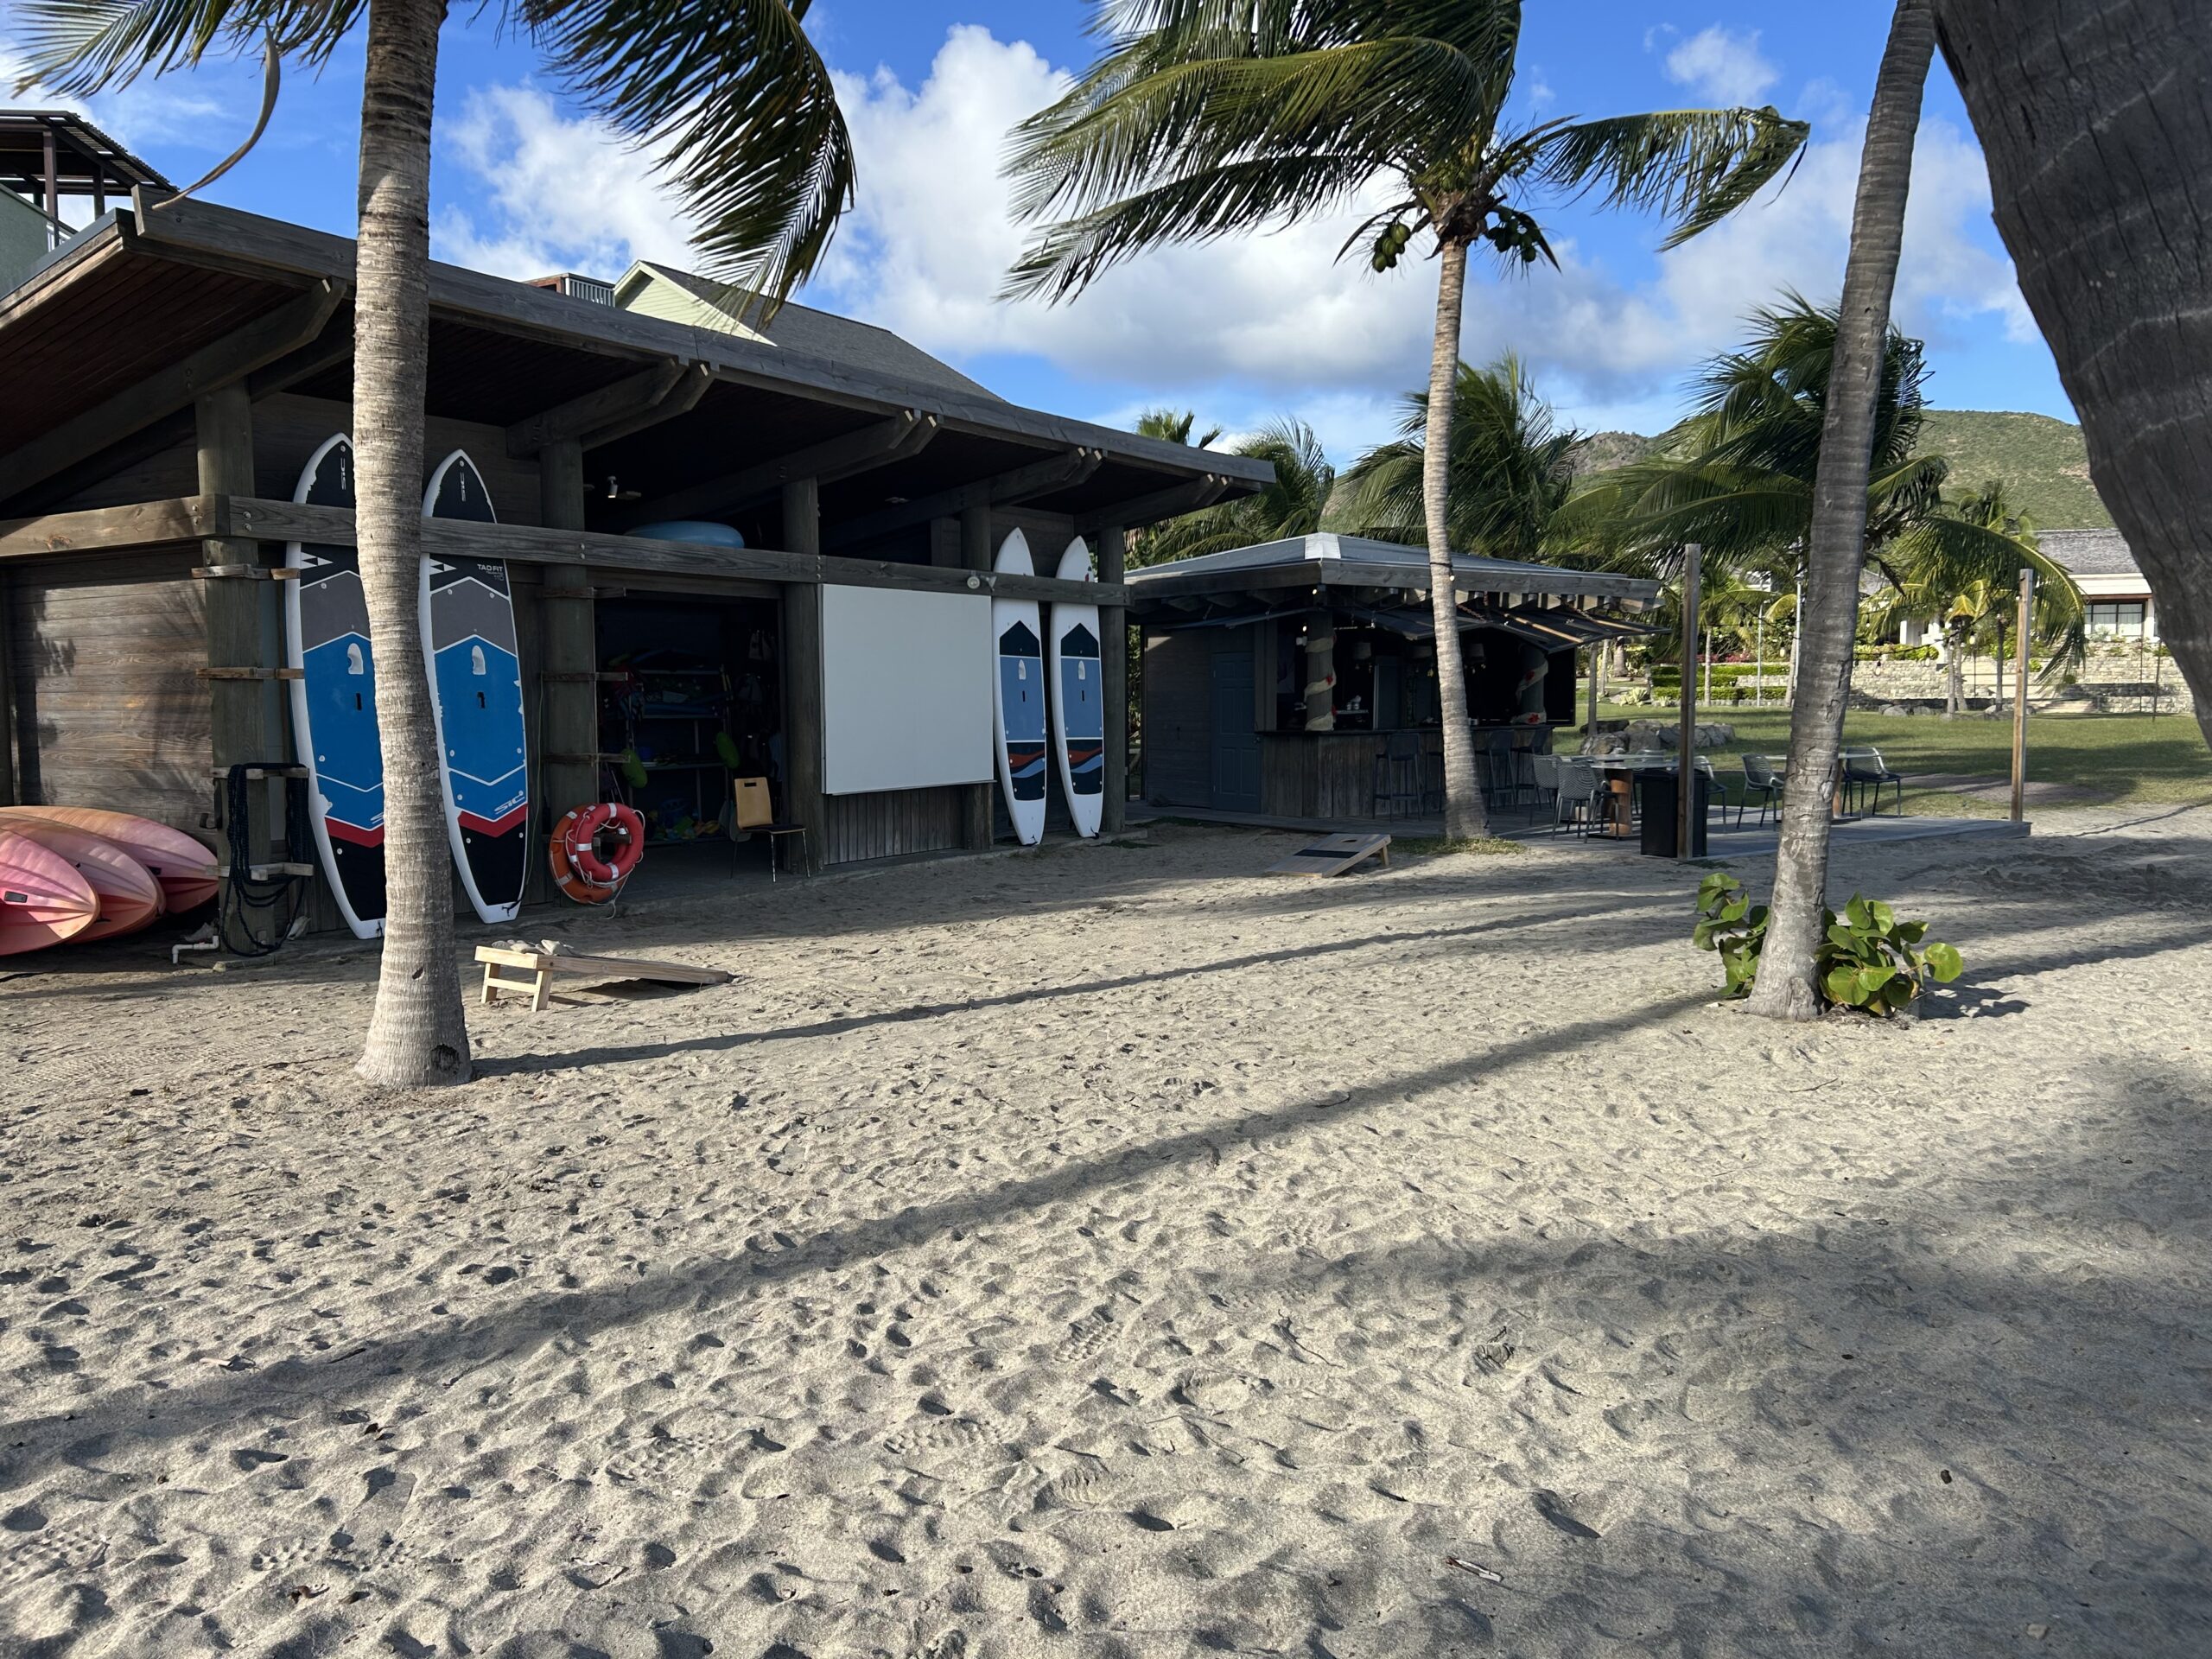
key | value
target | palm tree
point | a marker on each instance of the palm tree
(1965, 583)
(1173, 426)
(2113, 244)
(1203, 119)
(749, 119)
(1292, 504)
(1786, 987)
(1510, 473)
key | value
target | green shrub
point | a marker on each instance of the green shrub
(1867, 958)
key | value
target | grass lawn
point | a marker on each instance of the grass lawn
(2128, 760)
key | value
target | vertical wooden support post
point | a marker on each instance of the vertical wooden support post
(244, 717)
(803, 722)
(1114, 681)
(9, 795)
(2020, 696)
(977, 814)
(569, 627)
(1686, 752)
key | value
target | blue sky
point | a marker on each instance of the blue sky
(1244, 331)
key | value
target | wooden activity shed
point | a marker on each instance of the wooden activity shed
(170, 368)
(1297, 678)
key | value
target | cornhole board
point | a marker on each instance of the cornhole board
(1333, 856)
(541, 966)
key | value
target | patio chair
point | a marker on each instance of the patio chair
(1866, 773)
(1397, 791)
(753, 814)
(1494, 769)
(1574, 804)
(1716, 790)
(1763, 779)
(1544, 784)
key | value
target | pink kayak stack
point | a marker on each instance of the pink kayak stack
(85, 873)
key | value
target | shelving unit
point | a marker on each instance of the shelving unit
(697, 727)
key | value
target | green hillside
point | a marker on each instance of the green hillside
(2042, 462)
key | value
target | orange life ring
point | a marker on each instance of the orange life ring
(580, 869)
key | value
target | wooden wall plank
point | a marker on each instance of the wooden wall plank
(1178, 720)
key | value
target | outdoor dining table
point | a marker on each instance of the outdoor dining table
(1617, 815)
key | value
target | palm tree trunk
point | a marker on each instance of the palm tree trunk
(1786, 988)
(1955, 700)
(1463, 799)
(418, 1033)
(2112, 236)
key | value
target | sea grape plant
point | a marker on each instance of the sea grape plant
(1867, 958)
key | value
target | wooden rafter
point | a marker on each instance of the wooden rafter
(661, 393)
(1039, 477)
(907, 433)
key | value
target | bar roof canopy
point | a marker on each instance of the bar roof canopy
(103, 340)
(85, 160)
(1298, 571)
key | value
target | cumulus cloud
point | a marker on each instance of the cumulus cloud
(1241, 330)
(1720, 66)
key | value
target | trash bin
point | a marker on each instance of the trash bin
(1662, 813)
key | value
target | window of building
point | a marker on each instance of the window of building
(2122, 617)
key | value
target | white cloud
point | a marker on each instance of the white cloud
(1243, 330)
(1720, 66)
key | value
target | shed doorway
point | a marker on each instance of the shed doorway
(1235, 744)
(690, 700)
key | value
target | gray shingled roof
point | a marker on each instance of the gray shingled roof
(2087, 552)
(840, 339)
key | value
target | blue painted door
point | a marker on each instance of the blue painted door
(1236, 745)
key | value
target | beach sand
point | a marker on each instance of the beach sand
(1113, 1251)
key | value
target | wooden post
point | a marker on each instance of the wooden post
(1114, 683)
(569, 627)
(977, 804)
(1597, 681)
(2020, 697)
(9, 787)
(803, 798)
(1686, 754)
(244, 715)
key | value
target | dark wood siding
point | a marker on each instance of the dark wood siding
(1178, 719)
(289, 427)
(109, 708)
(891, 822)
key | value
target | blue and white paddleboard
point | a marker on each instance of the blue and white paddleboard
(1018, 702)
(1071, 654)
(468, 642)
(335, 700)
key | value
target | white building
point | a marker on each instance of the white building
(2117, 597)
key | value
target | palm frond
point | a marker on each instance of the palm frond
(741, 106)
(1692, 167)
(80, 47)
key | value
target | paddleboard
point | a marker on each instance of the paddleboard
(129, 896)
(335, 700)
(468, 640)
(1018, 704)
(181, 866)
(1079, 700)
(43, 900)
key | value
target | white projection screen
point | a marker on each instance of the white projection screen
(906, 688)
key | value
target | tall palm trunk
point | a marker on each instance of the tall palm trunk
(1954, 647)
(1463, 799)
(417, 1034)
(1786, 988)
(2092, 114)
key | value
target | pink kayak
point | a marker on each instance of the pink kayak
(185, 869)
(130, 898)
(42, 898)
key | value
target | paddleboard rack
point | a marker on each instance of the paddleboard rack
(259, 772)
(249, 673)
(245, 572)
(268, 871)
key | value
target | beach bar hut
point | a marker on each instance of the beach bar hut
(170, 368)
(1297, 678)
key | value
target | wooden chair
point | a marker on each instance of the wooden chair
(752, 809)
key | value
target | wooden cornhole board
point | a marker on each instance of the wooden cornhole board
(541, 966)
(1333, 856)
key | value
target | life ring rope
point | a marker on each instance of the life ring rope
(580, 869)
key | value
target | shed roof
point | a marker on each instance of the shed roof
(1328, 560)
(133, 298)
(817, 334)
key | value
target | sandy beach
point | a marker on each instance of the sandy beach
(1112, 1251)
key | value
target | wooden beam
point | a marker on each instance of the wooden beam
(228, 360)
(905, 434)
(10, 794)
(332, 347)
(661, 393)
(803, 720)
(1160, 503)
(568, 631)
(111, 529)
(1111, 552)
(1038, 478)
